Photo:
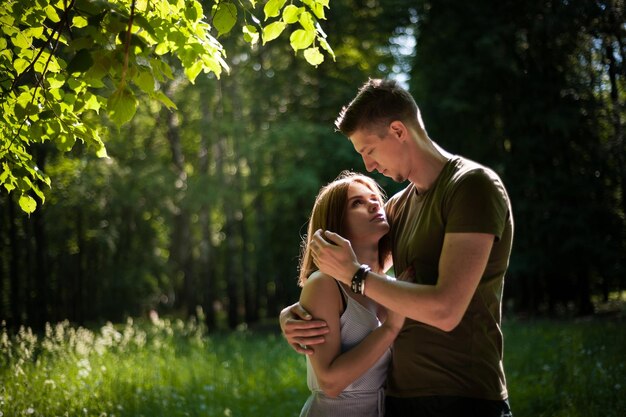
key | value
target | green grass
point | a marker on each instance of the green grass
(566, 368)
(172, 368)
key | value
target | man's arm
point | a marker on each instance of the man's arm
(300, 330)
(462, 263)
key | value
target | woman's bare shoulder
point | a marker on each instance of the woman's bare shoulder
(319, 288)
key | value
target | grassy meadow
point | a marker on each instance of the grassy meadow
(170, 368)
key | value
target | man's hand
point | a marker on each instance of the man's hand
(300, 330)
(334, 256)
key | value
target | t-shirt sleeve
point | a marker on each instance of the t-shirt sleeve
(477, 204)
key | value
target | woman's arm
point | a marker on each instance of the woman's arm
(335, 370)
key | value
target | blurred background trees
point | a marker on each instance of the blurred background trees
(206, 205)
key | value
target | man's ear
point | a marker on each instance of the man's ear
(398, 129)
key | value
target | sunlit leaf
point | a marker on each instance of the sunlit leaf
(314, 56)
(193, 71)
(301, 39)
(91, 102)
(325, 45)
(291, 14)
(250, 34)
(79, 22)
(20, 65)
(306, 20)
(272, 31)
(51, 13)
(318, 10)
(162, 48)
(21, 41)
(27, 203)
(224, 17)
(102, 152)
(273, 7)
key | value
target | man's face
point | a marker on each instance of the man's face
(380, 153)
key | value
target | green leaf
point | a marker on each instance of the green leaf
(272, 31)
(27, 203)
(64, 141)
(325, 45)
(159, 95)
(318, 10)
(55, 80)
(224, 17)
(301, 39)
(291, 14)
(272, 8)
(79, 22)
(250, 34)
(20, 65)
(194, 12)
(21, 41)
(102, 152)
(51, 13)
(162, 48)
(193, 71)
(306, 20)
(91, 102)
(81, 62)
(122, 106)
(145, 81)
(314, 56)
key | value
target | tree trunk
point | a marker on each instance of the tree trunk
(17, 301)
(180, 243)
(207, 267)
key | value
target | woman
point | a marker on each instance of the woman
(346, 374)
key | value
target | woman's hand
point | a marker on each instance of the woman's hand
(300, 330)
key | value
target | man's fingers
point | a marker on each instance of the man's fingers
(300, 312)
(305, 350)
(310, 341)
(333, 238)
(306, 328)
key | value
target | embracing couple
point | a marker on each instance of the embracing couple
(448, 235)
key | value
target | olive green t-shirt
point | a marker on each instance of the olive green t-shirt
(467, 361)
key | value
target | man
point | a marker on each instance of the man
(453, 226)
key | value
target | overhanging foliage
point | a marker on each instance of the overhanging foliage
(65, 62)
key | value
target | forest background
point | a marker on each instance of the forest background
(205, 206)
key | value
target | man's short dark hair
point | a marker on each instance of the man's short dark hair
(377, 104)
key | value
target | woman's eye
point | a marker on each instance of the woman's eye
(356, 203)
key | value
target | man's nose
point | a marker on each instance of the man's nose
(369, 163)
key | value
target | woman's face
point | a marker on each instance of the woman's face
(365, 215)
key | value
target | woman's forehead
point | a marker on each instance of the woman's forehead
(360, 188)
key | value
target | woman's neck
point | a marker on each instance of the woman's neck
(367, 254)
